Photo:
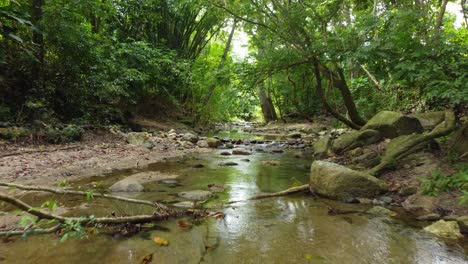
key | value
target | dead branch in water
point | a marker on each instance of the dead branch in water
(159, 206)
(277, 194)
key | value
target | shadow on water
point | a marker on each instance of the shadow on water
(293, 229)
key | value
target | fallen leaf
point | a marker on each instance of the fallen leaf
(161, 241)
(184, 224)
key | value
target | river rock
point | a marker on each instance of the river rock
(338, 182)
(225, 153)
(192, 138)
(184, 204)
(139, 138)
(420, 204)
(445, 229)
(241, 151)
(216, 188)
(429, 120)
(463, 223)
(127, 185)
(271, 162)
(321, 147)
(381, 211)
(392, 124)
(203, 144)
(196, 195)
(295, 135)
(355, 139)
(228, 163)
(213, 142)
(429, 217)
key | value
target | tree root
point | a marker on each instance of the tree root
(159, 206)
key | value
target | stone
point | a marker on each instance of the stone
(228, 163)
(445, 229)
(381, 211)
(196, 195)
(245, 160)
(170, 181)
(429, 217)
(203, 144)
(367, 160)
(355, 139)
(277, 151)
(338, 182)
(294, 135)
(392, 124)
(459, 141)
(213, 142)
(225, 153)
(241, 151)
(216, 188)
(127, 185)
(429, 120)
(463, 223)
(229, 145)
(408, 190)
(321, 147)
(271, 162)
(420, 204)
(192, 138)
(139, 138)
(383, 200)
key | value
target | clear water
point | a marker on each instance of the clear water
(293, 229)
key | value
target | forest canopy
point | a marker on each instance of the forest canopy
(105, 62)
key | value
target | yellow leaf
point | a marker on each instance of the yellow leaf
(161, 241)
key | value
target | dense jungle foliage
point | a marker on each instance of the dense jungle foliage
(104, 62)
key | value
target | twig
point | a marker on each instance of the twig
(38, 231)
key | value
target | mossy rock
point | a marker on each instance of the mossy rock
(429, 120)
(321, 147)
(392, 124)
(338, 182)
(213, 142)
(355, 139)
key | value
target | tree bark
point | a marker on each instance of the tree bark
(327, 106)
(38, 41)
(268, 110)
(440, 18)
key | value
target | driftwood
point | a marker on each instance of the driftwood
(159, 206)
(38, 151)
(277, 194)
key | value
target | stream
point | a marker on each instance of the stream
(292, 229)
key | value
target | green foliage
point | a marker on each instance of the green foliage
(438, 183)
(74, 229)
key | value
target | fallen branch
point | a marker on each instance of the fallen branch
(277, 194)
(159, 206)
(38, 231)
(37, 151)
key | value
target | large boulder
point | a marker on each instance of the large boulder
(429, 120)
(419, 204)
(139, 138)
(213, 142)
(127, 185)
(321, 147)
(393, 124)
(355, 139)
(445, 229)
(338, 182)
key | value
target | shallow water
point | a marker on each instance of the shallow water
(293, 229)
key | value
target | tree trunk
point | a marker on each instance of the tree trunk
(268, 110)
(441, 16)
(327, 107)
(38, 40)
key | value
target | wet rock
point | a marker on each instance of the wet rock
(245, 160)
(419, 204)
(355, 139)
(241, 151)
(225, 153)
(196, 195)
(463, 223)
(429, 217)
(139, 138)
(381, 211)
(228, 163)
(198, 166)
(271, 162)
(184, 204)
(383, 200)
(127, 185)
(338, 182)
(213, 142)
(321, 147)
(190, 138)
(445, 229)
(170, 181)
(277, 151)
(393, 124)
(351, 200)
(229, 145)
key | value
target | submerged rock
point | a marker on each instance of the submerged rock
(338, 182)
(271, 162)
(445, 229)
(241, 151)
(392, 124)
(196, 195)
(127, 185)
(228, 163)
